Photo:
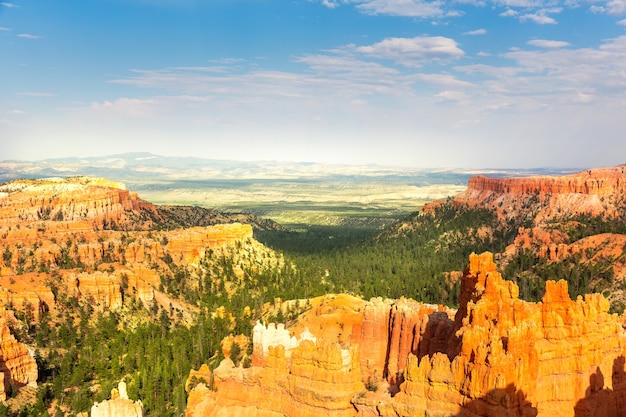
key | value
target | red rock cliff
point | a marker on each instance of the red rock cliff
(79, 203)
(595, 191)
(497, 356)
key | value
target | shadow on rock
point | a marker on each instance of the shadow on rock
(604, 402)
(500, 402)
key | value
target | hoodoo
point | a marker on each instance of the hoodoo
(496, 356)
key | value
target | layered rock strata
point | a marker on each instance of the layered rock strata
(80, 203)
(496, 356)
(91, 239)
(597, 192)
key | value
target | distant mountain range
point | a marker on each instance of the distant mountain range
(130, 167)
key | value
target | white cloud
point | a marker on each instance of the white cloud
(9, 5)
(581, 97)
(331, 4)
(446, 80)
(509, 13)
(539, 18)
(128, 106)
(4, 29)
(28, 36)
(519, 3)
(454, 13)
(450, 95)
(559, 77)
(622, 22)
(476, 32)
(413, 8)
(545, 43)
(616, 7)
(413, 51)
(17, 112)
(478, 3)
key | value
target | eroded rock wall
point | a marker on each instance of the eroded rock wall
(89, 238)
(496, 356)
(17, 366)
(597, 192)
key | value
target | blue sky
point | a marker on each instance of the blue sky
(468, 83)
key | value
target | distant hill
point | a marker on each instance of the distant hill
(143, 165)
(297, 194)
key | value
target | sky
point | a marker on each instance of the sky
(466, 83)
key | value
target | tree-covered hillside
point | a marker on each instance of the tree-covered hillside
(83, 353)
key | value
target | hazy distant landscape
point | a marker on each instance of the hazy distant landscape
(293, 194)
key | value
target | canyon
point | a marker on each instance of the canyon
(75, 245)
(94, 240)
(497, 355)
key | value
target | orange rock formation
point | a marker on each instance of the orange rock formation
(496, 356)
(595, 191)
(78, 203)
(61, 228)
(17, 366)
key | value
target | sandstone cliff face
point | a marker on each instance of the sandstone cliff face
(596, 191)
(56, 237)
(17, 366)
(555, 219)
(496, 356)
(79, 203)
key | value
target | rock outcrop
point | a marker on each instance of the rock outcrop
(119, 405)
(597, 192)
(81, 203)
(17, 366)
(94, 240)
(496, 356)
(564, 222)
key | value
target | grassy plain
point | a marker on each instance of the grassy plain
(302, 203)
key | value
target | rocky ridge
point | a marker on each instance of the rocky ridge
(563, 223)
(93, 240)
(496, 356)
(598, 192)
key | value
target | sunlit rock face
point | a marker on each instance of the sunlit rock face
(515, 358)
(17, 366)
(496, 356)
(119, 405)
(598, 192)
(78, 203)
(92, 239)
